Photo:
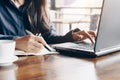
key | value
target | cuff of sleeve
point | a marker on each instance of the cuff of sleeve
(76, 30)
(69, 37)
(8, 37)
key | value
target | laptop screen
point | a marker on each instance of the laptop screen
(108, 36)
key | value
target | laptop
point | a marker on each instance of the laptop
(108, 35)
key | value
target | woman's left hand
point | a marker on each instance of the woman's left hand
(82, 35)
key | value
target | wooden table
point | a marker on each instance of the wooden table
(59, 67)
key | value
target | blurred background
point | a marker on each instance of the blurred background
(67, 15)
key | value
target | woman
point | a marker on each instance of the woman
(17, 16)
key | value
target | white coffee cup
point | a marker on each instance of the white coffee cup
(7, 49)
(8, 72)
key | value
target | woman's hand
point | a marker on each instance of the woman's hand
(29, 43)
(82, 35)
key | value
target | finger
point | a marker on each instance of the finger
(34, 49)
(81, 35)
(85, 35)
(83, 38)
(92, 33)
(37, 44)
(37, 34)
(43, 41)
(80, 32)
(89, 36)
(40, 39)
(76, 37)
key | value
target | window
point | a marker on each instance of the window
(82, 14)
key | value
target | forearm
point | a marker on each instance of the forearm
(52, 38)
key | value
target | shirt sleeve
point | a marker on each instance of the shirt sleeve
(7, 37)
(51, 37)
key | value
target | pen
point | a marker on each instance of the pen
(28, 32)
(45, 45)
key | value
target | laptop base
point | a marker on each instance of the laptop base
(76, 53)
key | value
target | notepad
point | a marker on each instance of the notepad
(43, 51)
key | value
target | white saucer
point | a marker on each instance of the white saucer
(7, 61)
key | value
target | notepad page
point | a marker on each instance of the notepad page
(41, 52)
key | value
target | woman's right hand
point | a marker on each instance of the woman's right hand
(29, 43)
(82, 35)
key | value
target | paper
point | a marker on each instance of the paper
(44, 51)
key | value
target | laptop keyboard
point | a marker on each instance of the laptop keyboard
(83, 45)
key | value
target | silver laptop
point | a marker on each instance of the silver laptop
(108, 34)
